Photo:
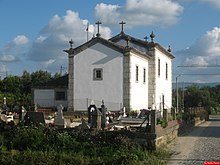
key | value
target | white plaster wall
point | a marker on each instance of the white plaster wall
(163, 85)
(64, 103)
(139, 90)
(44, 97)
(110, 89)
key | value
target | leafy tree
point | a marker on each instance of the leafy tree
(26, 82)
(12, 84)
(40, 77)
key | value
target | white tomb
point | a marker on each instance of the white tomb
(59, 119)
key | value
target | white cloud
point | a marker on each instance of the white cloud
(40, 39)
(140, 13)
(7, 58)
(198, 60)
(107, 13)
(15, 49)
(215, 3)
(20, 40)
(48, 62)
(3, 68)
(205, 51)
(55, 37)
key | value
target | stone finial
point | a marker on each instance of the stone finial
(169, 49)
(71, 43)
(152, 36)
(128, 39)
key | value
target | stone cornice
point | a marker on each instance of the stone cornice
(148, 45)
(122, 49)
(162, 49)
(92, 42)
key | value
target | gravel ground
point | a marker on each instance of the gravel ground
(197, 146)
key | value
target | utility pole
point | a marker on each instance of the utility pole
(177, 93)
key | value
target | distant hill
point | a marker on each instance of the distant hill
(200, 85)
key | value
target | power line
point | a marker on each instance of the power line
(199, 74)
(198, 66)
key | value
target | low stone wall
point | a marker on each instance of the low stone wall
(166, 135)
(198, 121)
(160, 138)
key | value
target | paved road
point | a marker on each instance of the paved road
(200, 145)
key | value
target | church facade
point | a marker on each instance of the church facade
(123, 71)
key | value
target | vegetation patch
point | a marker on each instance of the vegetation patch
(42, 145)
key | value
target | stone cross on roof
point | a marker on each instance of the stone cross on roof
(146, 38)
(98, 23)
(122, 23)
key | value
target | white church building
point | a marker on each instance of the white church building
(123, 71)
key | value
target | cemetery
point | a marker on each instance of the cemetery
(92, 141)
(95, 136)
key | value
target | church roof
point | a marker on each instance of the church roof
(92, 42)
(124, 36)
(147, 45)
(108, 43)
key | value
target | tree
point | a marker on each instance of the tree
(40, 77)
(26, 82)
(12, 84)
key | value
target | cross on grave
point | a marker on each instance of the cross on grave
(122, 23)
(98, 23)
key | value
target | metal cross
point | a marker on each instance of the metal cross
(98, 23)
(71, 43)
(122, 25)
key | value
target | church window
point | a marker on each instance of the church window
(98, 74)
(166, 71)
(137, 74)
(158, 67)
(144, 75)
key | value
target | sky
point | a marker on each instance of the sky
(33, 34)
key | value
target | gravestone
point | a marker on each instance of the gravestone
(91, 109)
(22, 113)
(96, 119)
(124, 112)
(34, 118)
(103, 117)
(59, 119)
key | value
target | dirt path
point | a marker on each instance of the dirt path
(183, 147)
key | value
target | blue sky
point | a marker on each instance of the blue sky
(33, 34)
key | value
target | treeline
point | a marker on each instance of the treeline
(17, 89)
(194, 96)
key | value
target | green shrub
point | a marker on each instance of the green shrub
(41, 145)
(162, 122)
